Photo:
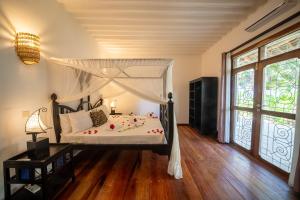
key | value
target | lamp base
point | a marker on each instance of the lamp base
(113, 111)
(39, 148)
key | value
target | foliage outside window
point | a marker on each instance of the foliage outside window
(282, 45)
(244, 87)
(246, 58)
(281, 86)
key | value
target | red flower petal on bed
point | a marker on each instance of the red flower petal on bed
(112, 126)
(135, 120)
(148, 131)
(95, 131)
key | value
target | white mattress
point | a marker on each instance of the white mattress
(151, 132)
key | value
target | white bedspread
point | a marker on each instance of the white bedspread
(151, 132)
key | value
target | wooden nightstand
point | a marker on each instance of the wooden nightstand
(116, 113)
(50, 172)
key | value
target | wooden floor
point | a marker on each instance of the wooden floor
(211, 171)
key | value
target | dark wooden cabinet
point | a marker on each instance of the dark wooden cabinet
(203, 104)
(50, 172)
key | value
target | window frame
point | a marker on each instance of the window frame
(257, 93)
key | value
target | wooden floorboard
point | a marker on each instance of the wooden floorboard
(211, 171)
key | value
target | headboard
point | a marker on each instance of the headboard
(61, 109)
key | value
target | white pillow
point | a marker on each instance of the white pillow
(103, 108)
(65, 123)
(80, 121)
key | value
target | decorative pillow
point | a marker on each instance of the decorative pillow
(98, 118)
(65, 123)
(103, 108)
(80, 121)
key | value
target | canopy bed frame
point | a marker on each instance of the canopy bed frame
(166, 117)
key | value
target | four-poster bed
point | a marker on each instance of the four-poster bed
(148, 79)
(166, 119)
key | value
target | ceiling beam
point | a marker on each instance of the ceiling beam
(141, 20)
(180, 13)
(144, 27)
(154, 5)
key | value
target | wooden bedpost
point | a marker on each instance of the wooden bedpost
(170, 122)
(89, 103)
(55, 117)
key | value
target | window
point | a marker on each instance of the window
(244, 86)
(280, 86)
(245, 59)
(282, 45)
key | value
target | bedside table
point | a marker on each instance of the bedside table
(116, 114)
(50, 172)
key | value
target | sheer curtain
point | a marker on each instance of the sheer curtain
(294, 179)
(174, 167)
(224, 106)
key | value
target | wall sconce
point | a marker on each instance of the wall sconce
(28, 48)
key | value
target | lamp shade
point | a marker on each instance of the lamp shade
(113, 104)
(34, 123)
(28, 48)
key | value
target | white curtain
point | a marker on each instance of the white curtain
(142, 77)
(174, 167)
(108, 68)
(151, 89)
(228, 99)
(293, 175)
(224, 108)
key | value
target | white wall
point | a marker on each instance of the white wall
(128, 103)
(186, 68)
(211, 60)
(25, 88)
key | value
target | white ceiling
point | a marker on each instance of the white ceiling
(159, 26)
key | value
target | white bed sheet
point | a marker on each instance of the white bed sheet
(149, 133)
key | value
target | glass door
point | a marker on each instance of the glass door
(243, 102)
(265, 84)
(277, 113)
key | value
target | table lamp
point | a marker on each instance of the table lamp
(35, 126)
(113, 107)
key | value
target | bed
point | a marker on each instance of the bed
(155, 134)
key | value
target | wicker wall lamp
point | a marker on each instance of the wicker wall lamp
(28, 48)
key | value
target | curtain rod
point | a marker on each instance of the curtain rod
(267, 31)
